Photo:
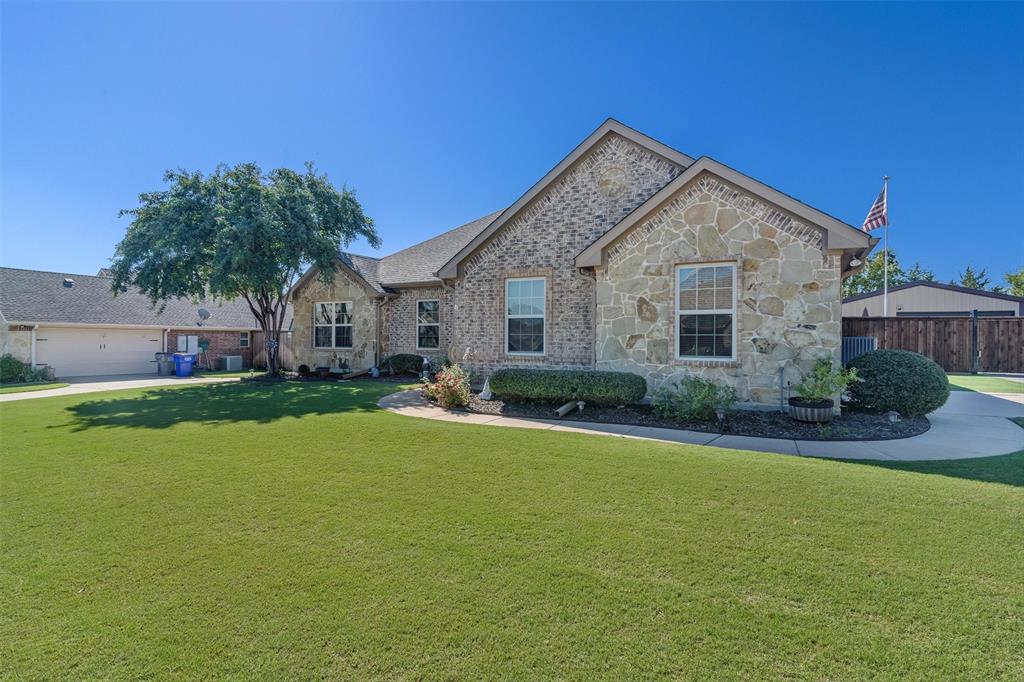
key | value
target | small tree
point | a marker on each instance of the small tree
(238, 233)
(919, 273)
(972, 279)
(1015, 283)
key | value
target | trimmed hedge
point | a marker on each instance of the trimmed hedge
(899, 380)
(403, 363)
(607, 389)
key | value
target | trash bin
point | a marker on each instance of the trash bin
(165, 364)
(183, 364)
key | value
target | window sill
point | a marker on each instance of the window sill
(706, 362)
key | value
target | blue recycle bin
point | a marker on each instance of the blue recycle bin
(183, 364)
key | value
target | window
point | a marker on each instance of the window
(706, 304)
(428, 324)
(524, 316)
(332, 325)
(243, 339)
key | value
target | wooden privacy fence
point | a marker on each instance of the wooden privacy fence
(286, 351)
(957, 344)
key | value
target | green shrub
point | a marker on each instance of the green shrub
(824, 381)
(11, 369)
(607, 389)
(692, 399)
(899, 380)
(450, 387)
(41, 373)
(403, 363)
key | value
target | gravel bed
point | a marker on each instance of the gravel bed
(773, 424)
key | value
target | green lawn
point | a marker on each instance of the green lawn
(23, 388)
(276, 531)
(984, 384)
(226, 375)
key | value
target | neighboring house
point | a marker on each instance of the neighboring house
(76, 325)
(932, 299)
(628, 255)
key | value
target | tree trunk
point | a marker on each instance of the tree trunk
(271, 344)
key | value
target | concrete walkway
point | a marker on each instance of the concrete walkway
(111, 383)
(969, 425)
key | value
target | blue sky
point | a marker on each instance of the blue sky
(438, 114)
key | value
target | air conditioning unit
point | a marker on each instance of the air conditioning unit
(231, 363)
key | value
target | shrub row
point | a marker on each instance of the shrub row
(607, 389)
(899, 380)
(13, 370)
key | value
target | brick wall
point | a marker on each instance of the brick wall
(595, 194)
(400, 321)
(221, 343)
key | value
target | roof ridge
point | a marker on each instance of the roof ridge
(52, 272)
(491, 215)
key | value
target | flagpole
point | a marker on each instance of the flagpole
(885, 250)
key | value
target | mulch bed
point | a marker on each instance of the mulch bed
(764, 424)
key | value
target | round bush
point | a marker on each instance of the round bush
(899, 380)
(11, 368)
(403, 363)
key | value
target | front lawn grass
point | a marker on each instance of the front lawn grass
(23, 388)
(273, 531)
(984, 384)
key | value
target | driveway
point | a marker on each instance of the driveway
(969, 425)
(111, 383)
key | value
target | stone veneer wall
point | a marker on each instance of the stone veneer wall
(364, 323)
(399, 321)
(543, 240)
(17, 341)
(788, 311)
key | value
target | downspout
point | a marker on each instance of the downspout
(165, 333)
(33, 351)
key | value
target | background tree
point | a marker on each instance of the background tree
(971, 279)
(1015, 283)
(871, 277)
(917, 273)
(238, 232)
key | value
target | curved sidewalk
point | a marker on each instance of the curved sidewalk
(957, 432)
(112, 383)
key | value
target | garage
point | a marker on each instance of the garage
(83, 351)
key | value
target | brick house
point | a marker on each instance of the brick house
(628, 255)
(75, 325)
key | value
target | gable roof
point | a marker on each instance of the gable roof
(936, 285)
(419, 263)
(838, 235)
(39, 297)
(450, 269)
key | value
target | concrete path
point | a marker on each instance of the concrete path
(969, 425)
(78, 385)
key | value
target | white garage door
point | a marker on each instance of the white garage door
(79, 351)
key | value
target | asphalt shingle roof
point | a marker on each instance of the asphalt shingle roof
(41, 297)
(419, 262)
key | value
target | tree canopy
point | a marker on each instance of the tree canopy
(238, 232)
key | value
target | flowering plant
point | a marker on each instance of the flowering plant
(450, 387)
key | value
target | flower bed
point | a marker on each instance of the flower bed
(764, 424)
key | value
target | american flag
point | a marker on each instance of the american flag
(878, 216)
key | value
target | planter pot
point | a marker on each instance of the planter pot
(811, 410)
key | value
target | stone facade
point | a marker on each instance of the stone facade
(221, 343)
(17, 341)
(362, 354)
(399, 322)
(788, 311)
(543, 240)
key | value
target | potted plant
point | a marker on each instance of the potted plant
(814, 399)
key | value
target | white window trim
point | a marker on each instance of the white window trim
(418, 324)
(544, 317)
(716, 311)
(248, 339)
(333, 325)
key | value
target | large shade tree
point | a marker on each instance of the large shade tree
(238, 232)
